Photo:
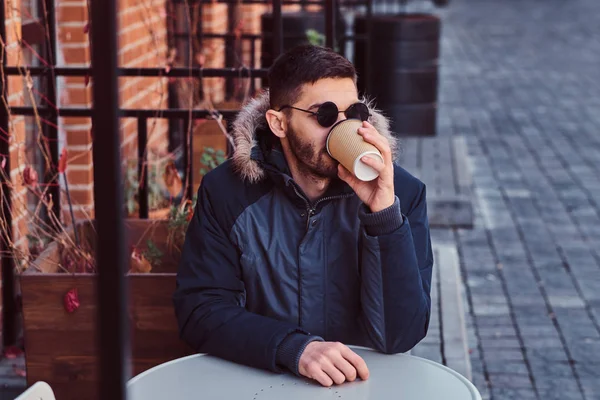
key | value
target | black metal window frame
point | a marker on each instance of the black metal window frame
(106, 114)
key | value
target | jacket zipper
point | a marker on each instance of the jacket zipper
(310, 211)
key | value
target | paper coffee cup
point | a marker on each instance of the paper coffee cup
(345, 145)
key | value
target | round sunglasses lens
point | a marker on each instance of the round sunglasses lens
(327, 114)
(358, 111)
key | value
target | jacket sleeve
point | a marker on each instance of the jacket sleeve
(396, 267)
(209, 297)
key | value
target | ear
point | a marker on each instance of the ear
(277, 122)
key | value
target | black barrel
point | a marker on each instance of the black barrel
(403, 69)
(295, 26)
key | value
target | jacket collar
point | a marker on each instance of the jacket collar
(258, 153)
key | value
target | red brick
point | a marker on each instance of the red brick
(79, 157)
(71, 13)
(72, 34)
(82, 196)
(79, 177)
(78, 137)
(69, 121)
(76, 56)
(79, 97)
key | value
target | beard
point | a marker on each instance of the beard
(312, 159)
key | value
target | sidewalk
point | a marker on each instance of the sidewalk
(519, 79)
(12, 383)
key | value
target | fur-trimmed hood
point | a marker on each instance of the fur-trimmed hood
(251, 119)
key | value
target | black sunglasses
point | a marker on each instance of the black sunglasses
(327, 113)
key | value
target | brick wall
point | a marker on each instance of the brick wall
(142, 43)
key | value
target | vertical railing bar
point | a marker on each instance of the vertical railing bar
(9, 310)
(142, 167)
(172, 101)
(252, 65)
(188, 162)
(51, 132)
(369, 44)
(200, 32)
(230, 60)
(112, 292)
(330, 23)
(277, 30)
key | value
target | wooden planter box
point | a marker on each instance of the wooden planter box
(60, 347)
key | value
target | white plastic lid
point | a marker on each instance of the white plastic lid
(362, 170)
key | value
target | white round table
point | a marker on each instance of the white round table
(398, 377)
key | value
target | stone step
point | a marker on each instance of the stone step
(446, 341)
(442, 163)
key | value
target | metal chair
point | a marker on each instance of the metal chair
(38, 391)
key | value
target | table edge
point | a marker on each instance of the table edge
(167, 363)
(474, 392)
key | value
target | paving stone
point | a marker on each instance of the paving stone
(506, 367)
(542, 343)
(541, 368)
(547, 354)
(496, 332)
(544, 329)
(513, 381)
(513, 393)
(583, 352)
(591, 388)
(504, 343)
(570, 392)
(503, 355)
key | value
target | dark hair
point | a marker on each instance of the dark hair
(301, 65)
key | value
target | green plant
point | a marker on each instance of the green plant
(179, 218)
(211, 159)
(153, 254)
(315, 37)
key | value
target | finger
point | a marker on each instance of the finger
(381, 142)
(345, 368)
(367, 127)
(334, 373)
(368, 124)
(385, 170)
(321, 377)
(357, 362)
(374, 163)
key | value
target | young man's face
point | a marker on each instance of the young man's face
(307, 139)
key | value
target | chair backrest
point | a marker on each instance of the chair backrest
(38, 391)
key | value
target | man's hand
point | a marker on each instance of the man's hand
(329, 363)
(377, 194)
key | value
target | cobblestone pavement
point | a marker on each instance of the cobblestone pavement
(521, 80)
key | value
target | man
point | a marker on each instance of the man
(288, 255)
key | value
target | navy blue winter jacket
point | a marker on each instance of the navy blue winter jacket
(264, 271)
